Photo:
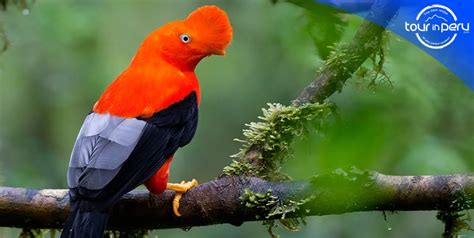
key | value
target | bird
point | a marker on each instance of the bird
(141, 119)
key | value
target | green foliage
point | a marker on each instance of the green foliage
(325, 25)
(273, 136)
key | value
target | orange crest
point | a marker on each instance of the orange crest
(162, 71)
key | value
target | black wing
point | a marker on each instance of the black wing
(114, 155)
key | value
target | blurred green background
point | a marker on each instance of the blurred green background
(64, 53)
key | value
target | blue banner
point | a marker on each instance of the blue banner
(442, 28)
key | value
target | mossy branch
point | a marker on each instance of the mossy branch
(272, 136)
(233, 200)
(267, 143)
(236, 199)
(347, 58)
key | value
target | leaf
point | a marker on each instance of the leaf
(325, 25)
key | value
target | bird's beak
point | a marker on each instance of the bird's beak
(218, 52)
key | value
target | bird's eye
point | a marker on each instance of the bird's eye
(185, 38)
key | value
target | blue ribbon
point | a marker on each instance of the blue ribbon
(442, 28)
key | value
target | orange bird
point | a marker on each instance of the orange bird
(140, 121)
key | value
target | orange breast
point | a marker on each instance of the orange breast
(157, 183)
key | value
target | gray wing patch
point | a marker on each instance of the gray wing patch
(102, 146)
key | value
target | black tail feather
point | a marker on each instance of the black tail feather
(84, 222)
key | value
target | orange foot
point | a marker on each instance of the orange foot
(180, 189)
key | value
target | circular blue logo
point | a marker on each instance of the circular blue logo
(436, 26)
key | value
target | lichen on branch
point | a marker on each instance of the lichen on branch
(272, 137)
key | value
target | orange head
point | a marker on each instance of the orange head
(206, 31)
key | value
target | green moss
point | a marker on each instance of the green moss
(457, 218)
(341, 56)
(289, 206)
(272, 137)
(375, 74)
(240, 167)
(454, 222)
(261, 201)
(460, 201)
(273, 209)
(271, 206)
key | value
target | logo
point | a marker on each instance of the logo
(437, 26)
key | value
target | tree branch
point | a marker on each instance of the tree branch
(219, 201)
(338, 68)
(364, 43)
(223, 200)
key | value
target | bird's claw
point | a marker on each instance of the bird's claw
(180, 189)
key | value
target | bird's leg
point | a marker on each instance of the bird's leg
(180, 189)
